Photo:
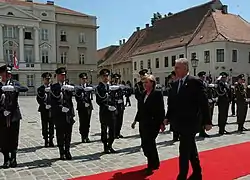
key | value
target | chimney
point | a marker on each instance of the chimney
(120, 42)
(147, 25)
(50, 2)
(224, 9)
(137, 28)
(123, 41)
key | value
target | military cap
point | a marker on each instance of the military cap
(173, 73)
(241, 76)
(61, 70)
(202, 73)
(116, 76)
(143, 72)
(46, 75)
(104, 72)
(223, 74)
(83, 76)
(3, 68)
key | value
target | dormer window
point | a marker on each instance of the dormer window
(10, 14)
(44, 14)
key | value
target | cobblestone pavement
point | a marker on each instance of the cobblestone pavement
(36, 162)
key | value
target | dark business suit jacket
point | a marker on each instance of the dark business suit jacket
(151, 113)
(187, 106)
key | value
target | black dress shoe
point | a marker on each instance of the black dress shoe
(68, 155)
(226, 132)
(62, 157)
(148, 171)
(106, 149)
(195, 177)
(13, 163)
(111, 150)
(6, 165)
(245, 129)
(86, 140)
(46, 144)
(121, 136)
(204, 135)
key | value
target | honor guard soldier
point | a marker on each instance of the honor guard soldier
(139, 89)
(9, 74)
(62, 112)
(10, 117)
(44, 100)
(242, 102)
(107, 111)
(233, 99)
(120, 106)
(84, 106)
(202, 76)
(223, 92)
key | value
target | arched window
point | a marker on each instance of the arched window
(10, 14)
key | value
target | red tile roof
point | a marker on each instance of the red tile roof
(104, 53)
(58, 9)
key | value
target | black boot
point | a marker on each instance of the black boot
(62, 153)
(111, 150)
(13, 162)
(106, 148)
(51, 144)
(6, 163)
(67, 153)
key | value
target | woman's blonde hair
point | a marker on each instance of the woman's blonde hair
(151, 78)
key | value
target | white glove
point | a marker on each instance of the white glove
(120, 101)
(111, 108)
(48, 106)
(86, 104)
(6, 113)
(210, 100)
(65, 110)
(248, 100)
(47, 89)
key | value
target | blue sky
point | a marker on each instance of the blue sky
(119, 18)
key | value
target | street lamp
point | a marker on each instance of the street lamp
(90, 71)
(194, 62)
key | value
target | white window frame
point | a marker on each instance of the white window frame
(63, 33)
(45, 56)
(9, 55)
(82, 37)
(63, 57)
(28, 56)
(10, 32)
(235, 60)
(81, 58)
(44, 34)
(30, 80)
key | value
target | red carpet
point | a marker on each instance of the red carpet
(226, 163)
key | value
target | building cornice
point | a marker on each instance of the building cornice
(77, 25)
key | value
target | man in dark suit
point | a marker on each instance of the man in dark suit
(84, 107)
(139, 89)
(187, 99)
(44, 101)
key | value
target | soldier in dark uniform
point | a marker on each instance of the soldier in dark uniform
(62, 112)
(224, 98)
(242, 102)
(233, 100)
(84, 107)
(10, 117)
(107, 111)
(44, 100)
(120, 106)
(202, 76)
(139, 89)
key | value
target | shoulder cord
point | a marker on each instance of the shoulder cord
(223, 92)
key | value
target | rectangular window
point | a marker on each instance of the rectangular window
(9, 54)
(28, 35)
(44, 34)
(220, 55)
(193, 55)
(165, 61)
(157, 80)
(9, 32)
(157, 63)
(207, 56)
(173, 60)
(28, 56)
(81, 58)
(63, 36)
(234, 55)
(63, 58)
(82, 38)
(135, 66)
(181, 56)
(149, 63)
(45, 56)
(30, 80)
(141, 65)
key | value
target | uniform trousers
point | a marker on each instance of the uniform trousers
(241, 114)
(63, 134)
(84, 121)
(119, 121)
(47, 126)
(223, 107)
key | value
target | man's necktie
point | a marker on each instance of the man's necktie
(180, 84)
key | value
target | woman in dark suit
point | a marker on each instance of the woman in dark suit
(150, 115)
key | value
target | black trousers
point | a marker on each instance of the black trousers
(63, 135)
(107, 120)
(128, 102)
(9, 136)
(119, 122)
(223, 107)
(84, 121)
(47, 126)
(188, 153)
(233, 107)
(241, 114)
(148, 136)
